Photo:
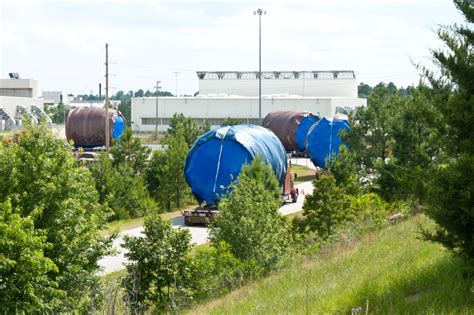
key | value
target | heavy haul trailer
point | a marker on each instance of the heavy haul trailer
(217, 158)
(204, 215)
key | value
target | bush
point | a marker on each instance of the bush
(120, 189)
(25, 286)
(368, 207)
(215, 271)
(159, 269)
(249, 220)
(40, 176)
(325, 208)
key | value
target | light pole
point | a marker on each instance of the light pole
(156, 110)
(176, 77)
(259, 12)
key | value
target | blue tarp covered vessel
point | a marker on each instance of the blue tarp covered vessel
(323, 138)
(291, 127)
(217, 157)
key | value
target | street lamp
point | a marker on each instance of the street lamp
(259, 12)
(156, 110)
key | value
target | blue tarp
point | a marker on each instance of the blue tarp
(302, 131)
(323, 139)
(119, 127)
(217, 157)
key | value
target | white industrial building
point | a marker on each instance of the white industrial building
(18, 92)
(234, 94)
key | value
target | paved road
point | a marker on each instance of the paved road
(199, 235)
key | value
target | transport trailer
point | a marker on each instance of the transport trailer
(205, 215)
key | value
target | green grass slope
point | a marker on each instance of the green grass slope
(392, 270)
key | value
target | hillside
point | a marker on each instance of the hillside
(392, 270)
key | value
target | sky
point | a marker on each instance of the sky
(62, 43)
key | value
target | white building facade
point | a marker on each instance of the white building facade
(19, 92)
(225, 94)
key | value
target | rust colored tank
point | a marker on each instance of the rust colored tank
(290, 127)
(86, 126)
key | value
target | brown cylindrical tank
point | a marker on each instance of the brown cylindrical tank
(86, 126)
(290, 127)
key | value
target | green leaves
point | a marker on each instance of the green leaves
(25, 285)
(451, 199)
(42, 179)
(160, 266)
(326, 208)
(249, 220)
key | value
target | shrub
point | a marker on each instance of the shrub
(249, 220)
(326, 207)
(215, 271)
(159, 269)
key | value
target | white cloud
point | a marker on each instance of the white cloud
(61, 43)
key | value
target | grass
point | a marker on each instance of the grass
(391, 269)
(303, 174)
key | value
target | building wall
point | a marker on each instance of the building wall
(18, 87)
(9, 103)
(308, 87)
(216, 109)
(54, 97)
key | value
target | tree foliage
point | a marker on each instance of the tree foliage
(42, 179)
(165, 173)
(120, 189)
(24, 270)
(233, 121)
(326, 208)
(191, 129)
(129, 150)
(159, 271)
(249, 220)
(57, 113)
(451, 194)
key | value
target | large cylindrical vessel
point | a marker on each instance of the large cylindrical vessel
(217, 157)
(323, 139)
(290, 127)
(86, 126)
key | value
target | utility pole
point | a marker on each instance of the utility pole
(156, 111)
(107, 131)
(259, 12)
(176, 87)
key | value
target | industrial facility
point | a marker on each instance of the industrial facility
(235, 94)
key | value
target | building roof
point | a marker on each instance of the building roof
(276, 75)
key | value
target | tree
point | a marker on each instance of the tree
(175, 159)
(250, 223)
(57, 114)
(129, 150)
(364, 90)
(416, 146)
(232, 121)
(42, 179)
(451, 197)
(24, 270)
(139, 93)
(159, 266)
(191, 129)
(125, 107)
(326, 207)
(371, 136)
(120, 189)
